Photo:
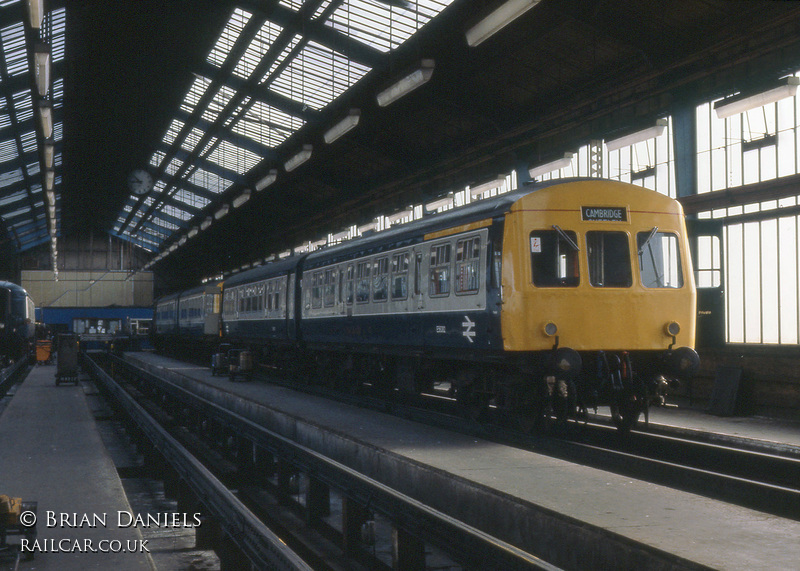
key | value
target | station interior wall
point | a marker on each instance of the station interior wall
(99, 288)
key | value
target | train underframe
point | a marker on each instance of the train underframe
(536, 390)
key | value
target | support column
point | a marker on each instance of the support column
(408, 551)
(318, 501)
(353, 517)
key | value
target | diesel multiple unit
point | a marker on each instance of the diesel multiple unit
(539, 302)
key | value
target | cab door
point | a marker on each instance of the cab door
(705, 243)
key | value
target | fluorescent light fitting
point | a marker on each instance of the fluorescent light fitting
(242, 198)
(367, 227)
(344, 126)
(267, 180)
(182, 240)
(486, 187)
(437, 204)
(51, 197)
(739, 104)
(498, 20)
(193, 232)
(299, 158)
(36, 11)
(41, 55)
(557, 164)
(398, 216)
(49, 155)
(49, 180)
(222, 211)
(638, 136)
(206, 223)
(408, 84)
(46, 118)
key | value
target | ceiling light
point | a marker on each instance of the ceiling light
(739, 104)
(41, 56)
(46, 117)
(182, 240)
(345, 125)
(407, 84)
(437, 204)
(367, 227)
(242, 198)
(486, 187)
(36, 11)
(398, 216)
(48, 155)
(206, 223)
(49, 180)
(193, 232)
(344, 235)
(267, 180)
(299, 158)
(51, 197)
(638, 136)
(222, 211)
(498, 20)
(561, 163)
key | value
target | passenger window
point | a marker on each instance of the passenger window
(329, 293)
(659, 259)
(609, 259)
(316, 290)
(362, 282)
(400, 276)
(440, 271)
(468, 253)
(554, 258)
(380, 279)
(349, 286)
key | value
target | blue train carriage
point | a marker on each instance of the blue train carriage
(198, 311)
(17, 322)
(259, 312)
(410, 308)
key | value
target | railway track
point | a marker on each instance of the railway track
(759, 475)
(278, 505)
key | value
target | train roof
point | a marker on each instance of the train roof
(410, 232)
(14, 287)
(264, 271)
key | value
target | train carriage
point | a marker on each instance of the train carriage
(540, 302)
(17, 322)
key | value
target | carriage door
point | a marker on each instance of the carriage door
(705, 243)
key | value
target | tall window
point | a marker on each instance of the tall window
(440, 270)
(400, 276)
(468, 253)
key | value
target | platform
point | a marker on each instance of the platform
(525, 498)
(52, 453)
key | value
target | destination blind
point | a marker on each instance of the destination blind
(604, 213)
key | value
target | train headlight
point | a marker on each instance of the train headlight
(672, 328)
(550, 329)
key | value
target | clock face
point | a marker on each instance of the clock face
(140, 181)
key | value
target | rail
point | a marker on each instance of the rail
(474, 545)
(263, 547)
